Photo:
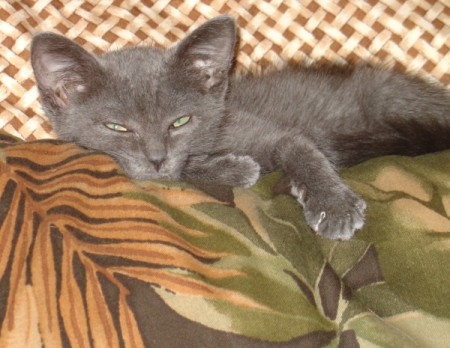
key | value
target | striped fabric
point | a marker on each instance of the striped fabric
(72, 240)
(91, 259)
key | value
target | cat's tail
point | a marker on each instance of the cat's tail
(409, 137)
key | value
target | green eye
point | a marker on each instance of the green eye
(116, 127)
(181, 122)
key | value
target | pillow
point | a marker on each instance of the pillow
(90, 257)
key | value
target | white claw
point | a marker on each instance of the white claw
(321, 218)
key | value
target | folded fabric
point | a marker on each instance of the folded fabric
(90, 258)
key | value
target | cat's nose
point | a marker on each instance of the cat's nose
(157, 163)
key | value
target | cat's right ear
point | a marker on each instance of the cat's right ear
(63, 69)
(206, 54)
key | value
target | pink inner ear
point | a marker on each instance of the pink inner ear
(210, 70)
(213, 79)
(60, 96)
(203, 63)
(57, 62)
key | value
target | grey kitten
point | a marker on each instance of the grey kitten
(178, 114)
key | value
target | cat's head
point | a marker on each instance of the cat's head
(148, 108)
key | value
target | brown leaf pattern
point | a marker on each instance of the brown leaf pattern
(67, 232)
(90, 259)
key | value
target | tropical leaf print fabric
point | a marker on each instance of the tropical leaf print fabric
(90, 259)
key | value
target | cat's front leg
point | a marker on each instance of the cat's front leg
(229, 169)
(330, 207)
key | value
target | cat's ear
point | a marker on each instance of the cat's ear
(208, 51)
(63, 69)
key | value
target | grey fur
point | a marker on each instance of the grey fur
(308, 122)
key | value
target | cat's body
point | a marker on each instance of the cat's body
(177, 114)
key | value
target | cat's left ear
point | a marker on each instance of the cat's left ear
(207, 53)
(63, 70)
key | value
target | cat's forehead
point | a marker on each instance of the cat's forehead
(135, 62)
(137, 81)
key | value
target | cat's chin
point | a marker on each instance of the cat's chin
(142, 171)
(152, 176)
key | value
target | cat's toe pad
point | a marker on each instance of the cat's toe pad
(335, 217)
(341, 222)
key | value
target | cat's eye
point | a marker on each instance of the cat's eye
(116, 127)
(180, 122)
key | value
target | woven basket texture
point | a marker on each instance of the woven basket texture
(409, 35)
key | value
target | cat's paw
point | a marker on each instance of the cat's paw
(334, 215)
(242, 171)
(230, 169)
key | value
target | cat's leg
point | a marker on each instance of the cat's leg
(330, 207)
(227, 169)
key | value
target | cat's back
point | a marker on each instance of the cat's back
(302, 94)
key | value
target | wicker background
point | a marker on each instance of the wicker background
(412, 35)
